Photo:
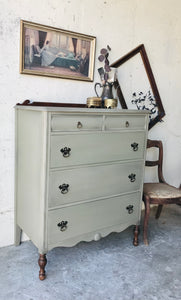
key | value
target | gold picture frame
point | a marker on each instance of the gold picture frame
(54, 52)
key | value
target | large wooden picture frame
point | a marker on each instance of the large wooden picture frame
(49, 51)
(136, 86)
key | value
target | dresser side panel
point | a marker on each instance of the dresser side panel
(31, 174)
(143, 165)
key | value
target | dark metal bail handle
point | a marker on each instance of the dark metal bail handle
(79, 125)
(130, 209)
(132, 177)
(62, 225)
(127, 124)
(134, 146)
(64, 188)
(65, 151)
(95, 88)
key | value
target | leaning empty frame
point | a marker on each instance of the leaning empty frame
(136, 86)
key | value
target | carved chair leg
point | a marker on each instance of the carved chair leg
(146, 217)
(159, 209)
(136, 233)
(42, 261)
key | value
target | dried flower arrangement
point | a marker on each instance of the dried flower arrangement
(145, 101)
(105, 72)
(104, 58)
(107, 75)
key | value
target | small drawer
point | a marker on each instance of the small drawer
(75, 122)
(125, 122)
(93, 182)
(77, 149)
(76, 220)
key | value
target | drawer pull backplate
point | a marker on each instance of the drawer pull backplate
(130, 209)
(65, 151)
(132, 177)
(62, 225)
(64, 188)
(134, 146)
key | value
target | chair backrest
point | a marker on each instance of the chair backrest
(148, 163)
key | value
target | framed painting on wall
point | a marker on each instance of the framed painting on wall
(136, 86)
(49, 51)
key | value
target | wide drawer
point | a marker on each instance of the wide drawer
(75, 122)
(93, 182)
(96, 148)
(125, 122)
(92, 216)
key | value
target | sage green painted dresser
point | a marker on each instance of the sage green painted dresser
(78, 175)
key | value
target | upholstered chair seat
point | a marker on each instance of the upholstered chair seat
(158, 192)
(161, 191)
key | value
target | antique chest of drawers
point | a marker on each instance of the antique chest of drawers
(78, 175)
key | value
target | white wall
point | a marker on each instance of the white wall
(123, 24)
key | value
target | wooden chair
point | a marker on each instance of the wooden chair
(158, 193)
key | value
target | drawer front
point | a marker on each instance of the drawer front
(75, 122)
(92, 216)
(96, 148)
(93, 182)
(125, 122)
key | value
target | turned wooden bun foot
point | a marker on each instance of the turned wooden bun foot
(42, 275)
(42, 263)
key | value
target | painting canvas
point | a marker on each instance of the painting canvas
(50, 51)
